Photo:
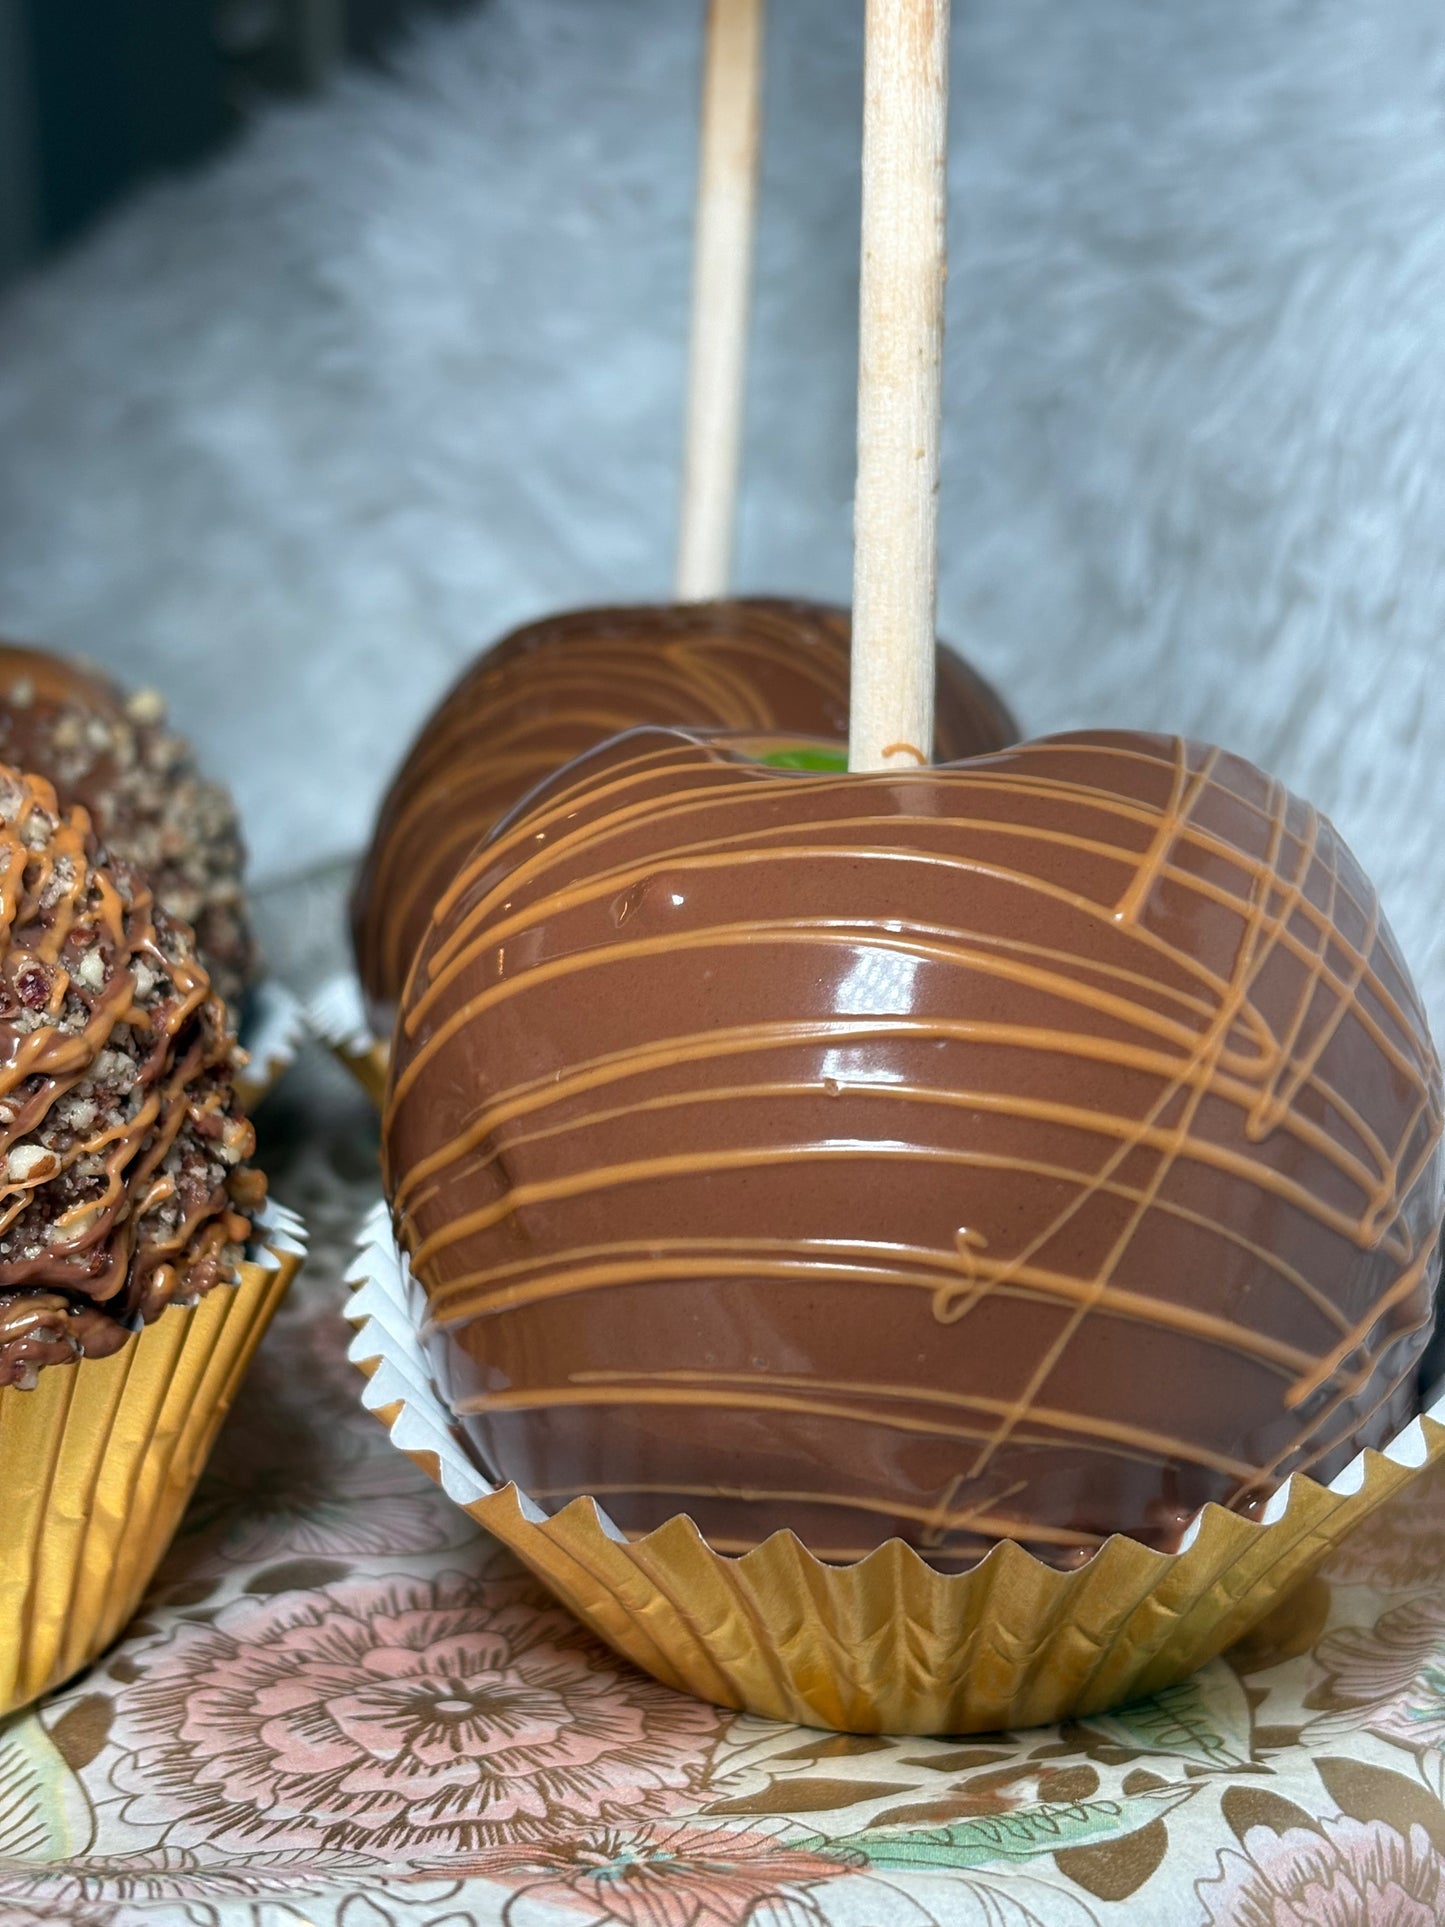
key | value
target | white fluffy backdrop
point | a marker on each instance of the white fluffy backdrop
(297, 436)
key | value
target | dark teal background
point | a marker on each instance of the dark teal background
(98, 96)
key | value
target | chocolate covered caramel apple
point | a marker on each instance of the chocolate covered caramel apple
(1034, 1148)
(123, 1181)
(555, 688)
(112, 754)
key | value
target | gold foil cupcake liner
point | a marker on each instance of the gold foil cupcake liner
(98, 1462)
(886, 1645)
(272, 1027)
(336, 1015)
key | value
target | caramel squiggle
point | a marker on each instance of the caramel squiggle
(122, 1187)
(1038, 1147)
(555, 688)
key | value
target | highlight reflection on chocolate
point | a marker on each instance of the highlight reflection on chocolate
(1037, 1148)
(555, 688)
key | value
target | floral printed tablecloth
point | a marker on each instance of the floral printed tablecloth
(342, 1704)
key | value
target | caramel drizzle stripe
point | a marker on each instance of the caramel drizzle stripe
(691, 1389)
(47, 1064)
(682, 665)
(723, 853)
(1007, 1278)
(1184, 792)
(1277, 1094)
(685, 1050)
(990, 1525)
(1344, 1399)
(1251, 956)
(691, 1164)
(1408, 1282)
(484, 1292)
(726, 786)
(688, 673)
(431, 784)
(401, 882)
(1270, 908)
(615, 881)
(642, 773)
(1411, 1016)
(726, 852)
(689, 862)
(688, 1395)
(690, 677)
(1064, 1043)
(535, 1280)
(498, 844)
(1112, 752)
(427, 1176)
(603, 689)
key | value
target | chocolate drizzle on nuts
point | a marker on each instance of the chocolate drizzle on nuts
(148, 802)
(123, 1182)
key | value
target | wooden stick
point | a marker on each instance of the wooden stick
(722, 276)
(900, 351)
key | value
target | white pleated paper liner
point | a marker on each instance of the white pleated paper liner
(272, 1030)
(336, 1015)
(888, 1644)
(276, 1233)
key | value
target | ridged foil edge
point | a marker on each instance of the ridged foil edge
(99, 1461)
(888, 1644)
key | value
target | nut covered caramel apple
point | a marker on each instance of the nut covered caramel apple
(555, 688)
(123, 1182)
(137, 780)
(1032, 1148)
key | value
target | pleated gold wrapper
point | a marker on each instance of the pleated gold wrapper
(98, 1462)
(887, 1645)
(336, 1015)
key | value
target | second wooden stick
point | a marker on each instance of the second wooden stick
(722, 280)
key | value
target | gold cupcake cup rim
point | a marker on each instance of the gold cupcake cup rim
(888, 1642)
(100, 1459)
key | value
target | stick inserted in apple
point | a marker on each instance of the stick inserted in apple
(1031, 1147)
(553, 688)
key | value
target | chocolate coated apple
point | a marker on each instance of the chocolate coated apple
(1035, 1148)
(549, 691)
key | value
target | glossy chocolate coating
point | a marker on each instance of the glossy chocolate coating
(112, 754)
(1036, 1148)
(549, 691)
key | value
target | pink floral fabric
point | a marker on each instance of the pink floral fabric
(1389, 1676)
(643, 1876)
(342, 1706)
(1344, 1873)
(451, 1715)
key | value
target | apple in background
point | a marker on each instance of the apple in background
(555, 688)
